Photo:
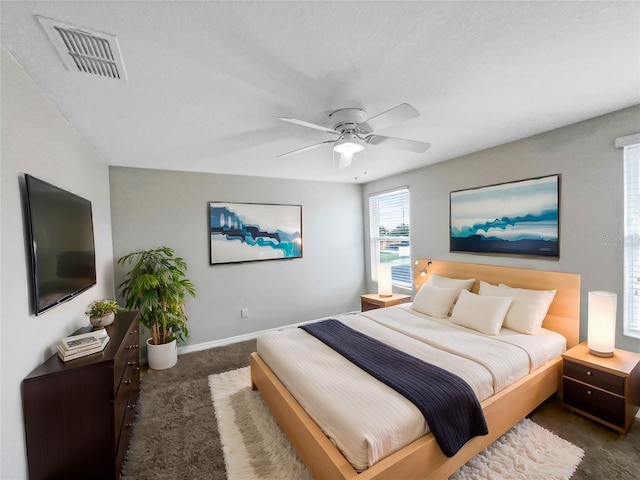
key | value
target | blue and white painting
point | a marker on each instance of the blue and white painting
(515, 218)
(246, 232)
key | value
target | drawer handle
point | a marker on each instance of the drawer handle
(127, 382)
(129, 425)
(130, 363)
(133, 333)
(589, 373)
(129, 347)
(588, 392)
(131, 406)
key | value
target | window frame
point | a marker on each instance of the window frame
(375, 239)
(631, 292)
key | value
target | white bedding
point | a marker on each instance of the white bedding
(368, 420)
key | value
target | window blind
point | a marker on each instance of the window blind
(389, 234)
(631, 314)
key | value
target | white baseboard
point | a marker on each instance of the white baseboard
(217, 343)
(240, 338)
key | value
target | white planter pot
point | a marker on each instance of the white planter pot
(101, 322)
(162, 356)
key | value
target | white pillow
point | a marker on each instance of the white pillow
(528, 309)
(446, 282)
(482, 313)
(434, 301)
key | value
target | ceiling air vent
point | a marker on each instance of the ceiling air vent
(84, 50)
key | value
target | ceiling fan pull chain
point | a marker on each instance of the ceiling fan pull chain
(364, 162)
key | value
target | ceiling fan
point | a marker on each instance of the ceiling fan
(355, 131)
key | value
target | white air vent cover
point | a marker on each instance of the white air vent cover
(83, 50)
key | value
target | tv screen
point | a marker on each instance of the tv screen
(62, 248)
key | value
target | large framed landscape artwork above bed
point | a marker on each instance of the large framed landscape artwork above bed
(519, 217)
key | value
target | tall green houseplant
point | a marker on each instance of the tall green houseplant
(157, 287)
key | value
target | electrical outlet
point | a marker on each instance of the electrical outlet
(244, 313)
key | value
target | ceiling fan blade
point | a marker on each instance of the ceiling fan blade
(398, 114)
(401, 143)
(308, 124)
(304, 149)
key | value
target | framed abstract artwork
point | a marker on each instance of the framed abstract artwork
(247, 232)
(519, 217)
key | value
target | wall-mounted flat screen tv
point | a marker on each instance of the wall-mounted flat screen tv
(63, 260)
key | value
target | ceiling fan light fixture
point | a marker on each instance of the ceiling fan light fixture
(349, 144)
(345, 159)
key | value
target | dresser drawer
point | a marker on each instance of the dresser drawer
(600, 404)
(127, 355)
(597, 378)
(129, 381)
(124, 431)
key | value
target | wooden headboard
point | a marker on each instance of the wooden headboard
(564, 313)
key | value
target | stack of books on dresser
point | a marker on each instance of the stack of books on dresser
(83, 344)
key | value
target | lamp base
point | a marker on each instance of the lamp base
(601, 354)
(386, 295)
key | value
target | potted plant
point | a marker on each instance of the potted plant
(102, 313)
(156, 286)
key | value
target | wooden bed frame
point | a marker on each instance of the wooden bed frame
(423, 458)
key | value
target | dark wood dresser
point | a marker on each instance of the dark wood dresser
(78, 414)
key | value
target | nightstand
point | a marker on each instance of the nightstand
(606, 390)
(371, 301)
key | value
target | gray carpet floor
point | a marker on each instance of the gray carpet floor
(175, 435)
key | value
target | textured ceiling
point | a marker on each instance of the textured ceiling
(207, 80)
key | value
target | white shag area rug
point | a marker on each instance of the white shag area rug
(255, 448)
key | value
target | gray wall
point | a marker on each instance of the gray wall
(591, 202)
(38, 140)
(151, 208)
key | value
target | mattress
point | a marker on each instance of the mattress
(368, 420)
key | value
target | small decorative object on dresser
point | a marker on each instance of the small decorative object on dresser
(78, 415)
(372, 301)
(606, 390)
(102, 313)
(78, 346)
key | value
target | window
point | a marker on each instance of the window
(389, 235)
(631, 316)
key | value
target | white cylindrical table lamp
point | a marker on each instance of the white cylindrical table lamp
(385, 287)
(601, 337)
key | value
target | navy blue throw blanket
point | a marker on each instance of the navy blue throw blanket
(447, 402)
